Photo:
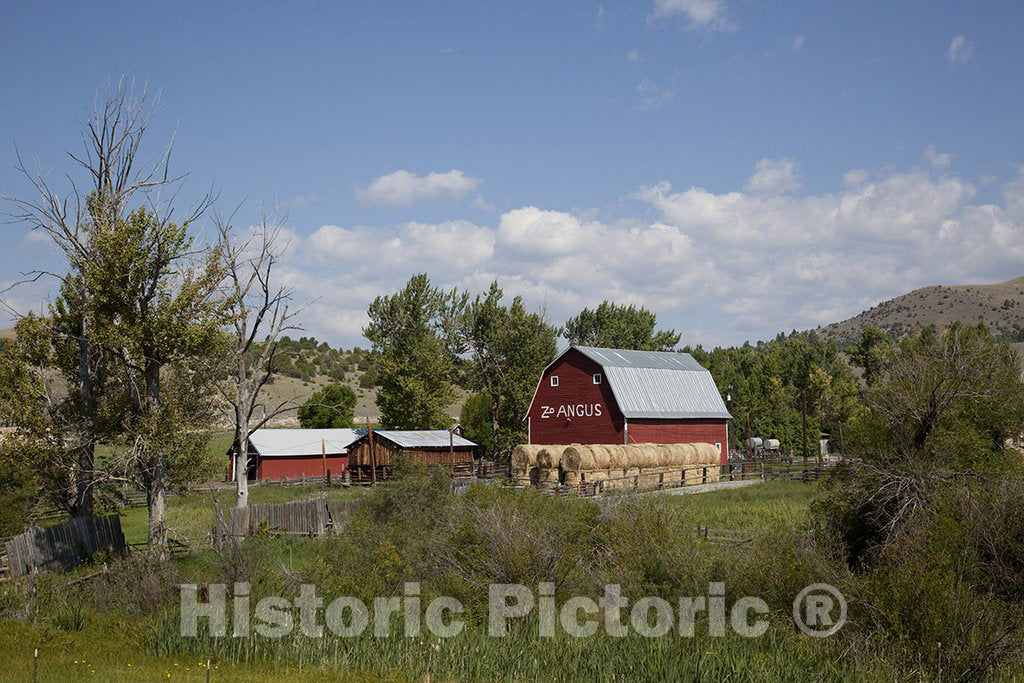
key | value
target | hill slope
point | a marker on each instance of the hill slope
(1000, 306)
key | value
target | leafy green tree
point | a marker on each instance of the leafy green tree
(871, 352)
(332, 406)
(619, 327)
(158, 319)
(508, 349)
(414, 366)
(941, 411)
(475, 418)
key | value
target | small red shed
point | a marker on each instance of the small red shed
(294, 453)
(590, 395)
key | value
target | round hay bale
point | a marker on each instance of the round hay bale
(707, 454)
(550, 456)
(524, 456)
(573, 458)
(571, 477)
(601, 458)
(618, 456)
(547, 478)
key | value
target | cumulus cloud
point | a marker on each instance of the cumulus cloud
(633, 56)
(403, 188)
(960, 50)
(797, 42)
(936, 158)
(723, 267)
(707, 14)
(654, 96)
(774, 176)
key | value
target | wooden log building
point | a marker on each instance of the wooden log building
(373, 455)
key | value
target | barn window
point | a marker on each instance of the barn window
(554, 380)
(719, 447)
(597, 378)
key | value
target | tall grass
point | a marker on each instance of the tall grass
(523, 655)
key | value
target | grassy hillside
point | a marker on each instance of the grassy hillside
(306, 365)
(1000, 306)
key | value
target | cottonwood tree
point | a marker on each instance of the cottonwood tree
(617, 326)
(114, 176)
(260, 314)
(414, 365)
(508, 349)
(158, 316)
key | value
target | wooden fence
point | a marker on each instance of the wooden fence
(61, 547)
(795, 472)
(725, 536)
(311, 517)
(658, 481)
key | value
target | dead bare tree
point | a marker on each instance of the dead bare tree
(260, 314)
(114, 176)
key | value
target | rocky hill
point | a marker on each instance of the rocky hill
(1000, 306)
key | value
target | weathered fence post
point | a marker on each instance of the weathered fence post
(661, 480)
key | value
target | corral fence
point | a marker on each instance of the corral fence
(63, 546)
(796, 471)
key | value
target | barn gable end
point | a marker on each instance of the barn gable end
(621, 396)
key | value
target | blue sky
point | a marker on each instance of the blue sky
(740, 167)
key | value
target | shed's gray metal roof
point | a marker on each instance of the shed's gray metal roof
(422, 438)
(658, 384)
(284, 442)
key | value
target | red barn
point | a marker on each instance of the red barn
(589, 395)
(294, 453)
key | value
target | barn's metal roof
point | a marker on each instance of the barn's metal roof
(658, 384)
(285, 442)
(422, 438)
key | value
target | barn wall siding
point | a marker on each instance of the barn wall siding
(680, 431)
(568, 413)
(298, 466)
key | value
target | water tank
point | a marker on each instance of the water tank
(754, 442)
(771, 444)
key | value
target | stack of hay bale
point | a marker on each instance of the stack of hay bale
(534, 465)
(691, 462)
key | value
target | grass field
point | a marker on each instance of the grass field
(190, 517)
(772, 505)
(114, 646)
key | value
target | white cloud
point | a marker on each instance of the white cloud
(723, 266)
(653, 96)
(935, 158)
(960, 50)
(33, 237)
(797, 42)
(708, 14)
(403, 188)
(774, 176)
(633, 56)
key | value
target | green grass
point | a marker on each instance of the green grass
(190, 517)
(768, 506)
(113, 651)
